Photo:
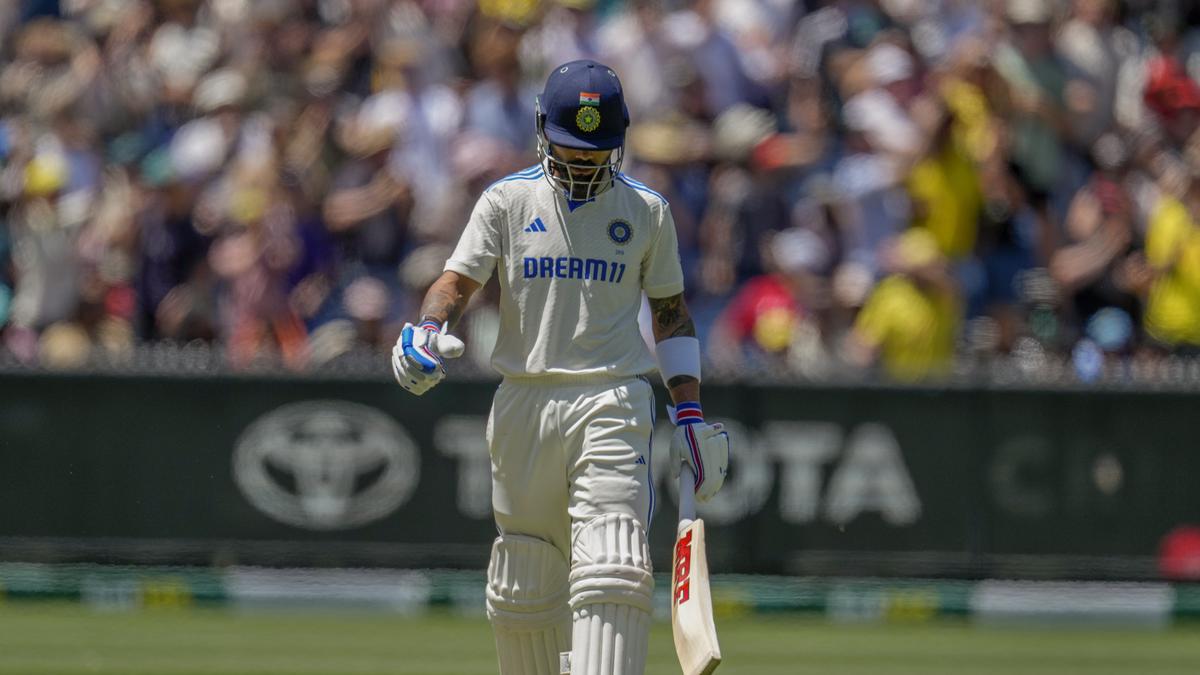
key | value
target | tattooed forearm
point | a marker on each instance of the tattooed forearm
(441, 305)
(671, 318)
(447, 298)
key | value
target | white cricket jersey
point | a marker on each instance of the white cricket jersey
(571, 281)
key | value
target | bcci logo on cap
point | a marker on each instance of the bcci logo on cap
(326, 465)
(587, 119)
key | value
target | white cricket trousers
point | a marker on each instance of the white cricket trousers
(566, 452)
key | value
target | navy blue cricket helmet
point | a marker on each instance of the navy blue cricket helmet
(582, 107)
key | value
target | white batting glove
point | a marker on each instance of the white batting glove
(418, 357)
(705, 447)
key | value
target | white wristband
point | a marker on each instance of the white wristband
(678, 356)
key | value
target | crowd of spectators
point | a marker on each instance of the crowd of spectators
(904, 187)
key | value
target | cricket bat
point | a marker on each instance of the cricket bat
(691, 601)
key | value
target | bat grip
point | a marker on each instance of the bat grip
(687, 493)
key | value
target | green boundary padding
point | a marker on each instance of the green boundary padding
(847, 599)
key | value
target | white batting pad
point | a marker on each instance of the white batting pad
(527, 605)
(611, 592)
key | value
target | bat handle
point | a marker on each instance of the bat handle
(687, 493)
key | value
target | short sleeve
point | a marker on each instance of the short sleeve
(479, 246)
(662, 274)
(872, 323)
(1166, 233)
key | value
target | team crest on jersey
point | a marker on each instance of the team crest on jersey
(620, 232)
(587, 119)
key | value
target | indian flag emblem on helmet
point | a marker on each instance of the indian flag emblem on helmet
(587, 119)
(588, 98)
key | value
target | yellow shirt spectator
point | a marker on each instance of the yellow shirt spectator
(913, 328)
(973, 126)
(945, 185)
(1173, 250)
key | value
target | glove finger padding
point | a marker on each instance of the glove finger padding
(704, 447)
(410, 376)
(448, 346)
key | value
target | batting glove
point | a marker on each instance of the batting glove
(418, 357)
(705, 447)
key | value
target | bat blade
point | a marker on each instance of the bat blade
(691, 600)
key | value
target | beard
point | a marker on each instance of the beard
(580, 184)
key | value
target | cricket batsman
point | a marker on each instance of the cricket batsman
(575, 243)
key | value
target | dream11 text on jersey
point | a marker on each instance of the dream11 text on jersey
(563, 267)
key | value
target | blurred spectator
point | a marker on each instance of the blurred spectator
(910, 322)
(1093, 47)
(879, 141)
(945, 188)
(773, 319)
(1171, 93)
(1179, 553)
(1037, 81)
(499, 105)
(1099, 238)
(1173, 253)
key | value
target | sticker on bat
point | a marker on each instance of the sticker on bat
(683, 568)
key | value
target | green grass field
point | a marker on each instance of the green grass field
(67, 639)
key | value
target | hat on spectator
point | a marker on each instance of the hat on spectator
(378, 124)
(219, 89)
(181, 55)
(198, 148)
(63, 345)
(1169, 90)
(916, 248)
(798, 250)
(46, 174)
(513, 12)
(889, 63)
(102, 16)
(668, 141)
(738, 130)
(1029, 11)
(876, 115)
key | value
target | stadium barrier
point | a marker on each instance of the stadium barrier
(1151, 604)
(966, 482)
